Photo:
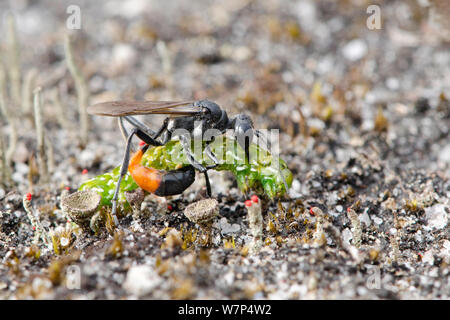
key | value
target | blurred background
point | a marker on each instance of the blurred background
(359, 90)
(301, 66)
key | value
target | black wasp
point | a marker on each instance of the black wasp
(195, 117)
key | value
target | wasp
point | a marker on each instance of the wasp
(195, 117)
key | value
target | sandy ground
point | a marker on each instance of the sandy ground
(364, 122)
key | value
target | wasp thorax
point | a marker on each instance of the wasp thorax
(210, 108)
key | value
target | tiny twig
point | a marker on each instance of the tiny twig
(13, 60)
(51, 155)
(42, 155)
(61, 113)
(27, 90)
(395, 247)
(256, 223)
(319, 235)
(5, 171)
(82, 91)
(12, 143)
(357, 231)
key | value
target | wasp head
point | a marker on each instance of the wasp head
(209, 109)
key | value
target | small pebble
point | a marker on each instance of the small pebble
(355, 50)
(141, 280)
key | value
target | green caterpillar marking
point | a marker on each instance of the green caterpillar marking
(261, 175)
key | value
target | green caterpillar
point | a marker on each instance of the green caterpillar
(261, 175)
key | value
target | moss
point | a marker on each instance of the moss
(244, 251)
(229, 243)
(12, 261)
(62, 239)
(189, 237)
(33, 252)
(56, 268)
(204, 257)
(183, 289)
(116, 248)
(173, 240)
(381, 123)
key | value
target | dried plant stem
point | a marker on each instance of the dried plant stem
(82, 91)
(319, 235)
(61, 113)
(357, 231)
(395, 238)
(395, 248)
(255, 220)
(4, 110)
(13, 61)
(2, 162)
(27, 90)
(51, 155)
(42, 155)
(5, 171)
(256, 224)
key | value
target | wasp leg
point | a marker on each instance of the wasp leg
(187, 149)
(151, 135)
(122, 128)
(162, 129)
(197, 165)
(123, 171)
(208, 184)
(143, 132)
(124, 132)
(211, 155)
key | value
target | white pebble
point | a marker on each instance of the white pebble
(364, 218)
(355, 50)
(437, 216)
(377, 220)
(227, 227)
(141, 280)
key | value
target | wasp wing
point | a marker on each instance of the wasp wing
(130, 108)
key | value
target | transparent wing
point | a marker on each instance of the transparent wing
(130, 108)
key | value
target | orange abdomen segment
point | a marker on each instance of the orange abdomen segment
(148, 179)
